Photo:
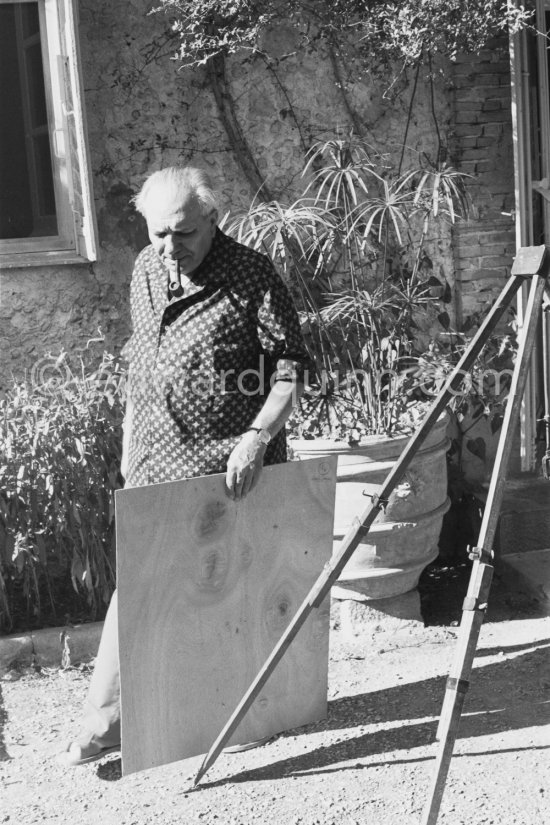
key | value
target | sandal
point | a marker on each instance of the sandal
(75, 754)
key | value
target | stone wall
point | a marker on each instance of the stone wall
(482, 146)
(143, 114)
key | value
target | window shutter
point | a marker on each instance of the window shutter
(79, 169)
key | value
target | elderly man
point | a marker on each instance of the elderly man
(215, 364)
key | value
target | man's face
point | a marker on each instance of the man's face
(179, 231)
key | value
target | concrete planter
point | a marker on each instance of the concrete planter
(403, 539)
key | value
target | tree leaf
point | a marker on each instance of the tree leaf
(477, 447)
(444, 320)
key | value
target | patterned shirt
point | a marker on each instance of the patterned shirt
(201, 365)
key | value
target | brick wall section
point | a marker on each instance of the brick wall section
(481, 145)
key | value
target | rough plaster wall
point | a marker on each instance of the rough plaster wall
(144, 114)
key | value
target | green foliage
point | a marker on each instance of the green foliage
(206, 28)
(477, 410)
(409, 30)
(486, 385)
(352, 249)
(406, 31)
(60, 449)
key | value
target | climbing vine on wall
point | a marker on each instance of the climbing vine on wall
(405, 31)
(365, 34)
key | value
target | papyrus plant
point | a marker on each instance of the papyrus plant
(354, 250)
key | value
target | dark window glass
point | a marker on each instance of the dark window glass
(29, 19)
(35, 85)
(27, 202)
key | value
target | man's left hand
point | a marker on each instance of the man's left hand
(244, 466)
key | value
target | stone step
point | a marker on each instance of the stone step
(524, 523)
(528, 572)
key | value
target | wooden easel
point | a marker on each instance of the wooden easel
(531, 263)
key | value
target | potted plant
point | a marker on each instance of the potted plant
(353, 249)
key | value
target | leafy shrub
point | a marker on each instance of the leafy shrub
(478, 406)
(60, 450)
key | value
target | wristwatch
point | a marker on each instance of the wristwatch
(263, 434)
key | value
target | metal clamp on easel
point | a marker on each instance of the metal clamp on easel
(473, 603)
(379, 503)
(480, 554)
(458, 685)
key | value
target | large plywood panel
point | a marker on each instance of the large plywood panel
(206, 587)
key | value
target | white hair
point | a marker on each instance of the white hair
(176, 181)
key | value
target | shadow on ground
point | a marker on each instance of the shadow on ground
(503, 696)
(443, 588)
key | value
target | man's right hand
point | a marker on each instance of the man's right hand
(244, 465)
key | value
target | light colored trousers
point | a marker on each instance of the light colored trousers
(101, 719)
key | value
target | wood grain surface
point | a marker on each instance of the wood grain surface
(206, 587)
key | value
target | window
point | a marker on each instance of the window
(46, 202)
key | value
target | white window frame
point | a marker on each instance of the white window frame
(526, 107)
(76, 241)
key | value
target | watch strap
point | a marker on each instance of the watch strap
(263, 434)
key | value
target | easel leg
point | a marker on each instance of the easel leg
(482, 571)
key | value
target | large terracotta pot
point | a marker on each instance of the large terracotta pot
(403, 538)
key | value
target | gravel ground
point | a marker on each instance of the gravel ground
(370, 762)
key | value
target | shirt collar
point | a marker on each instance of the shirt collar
(212, 270)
